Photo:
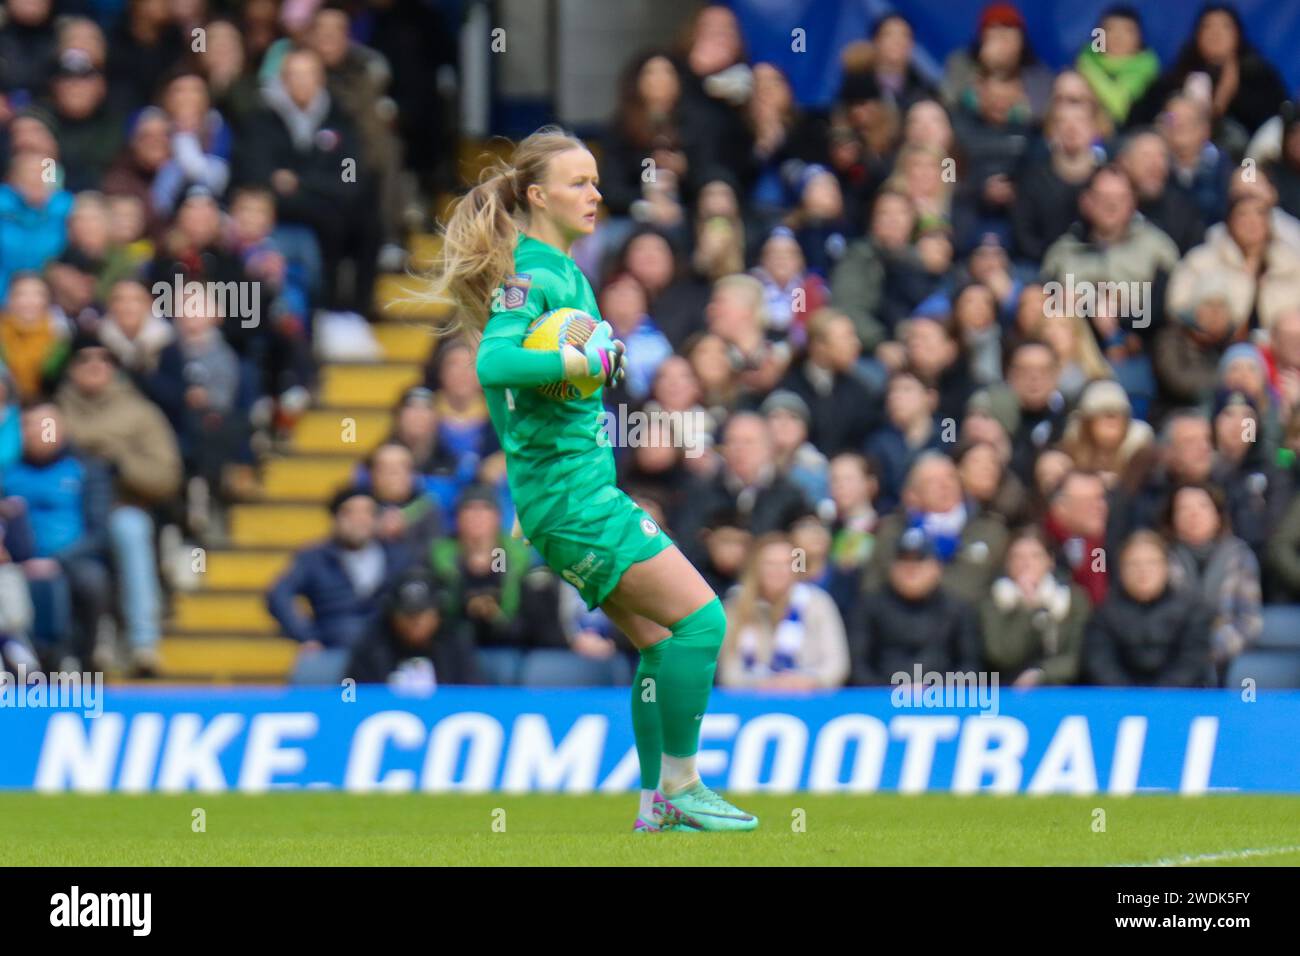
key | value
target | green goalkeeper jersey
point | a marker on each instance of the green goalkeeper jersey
(556, 451)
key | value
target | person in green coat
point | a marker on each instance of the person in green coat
(1032, 623)
(1117, 63)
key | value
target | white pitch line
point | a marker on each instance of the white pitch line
(1217, 857)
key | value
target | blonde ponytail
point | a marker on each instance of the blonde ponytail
(478, 246)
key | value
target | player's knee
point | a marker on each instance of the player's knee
(704, 627)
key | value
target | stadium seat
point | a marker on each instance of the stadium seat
(1271, 670)
(1281, 627)
(557, 668)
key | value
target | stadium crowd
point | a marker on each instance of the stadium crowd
(993, 370)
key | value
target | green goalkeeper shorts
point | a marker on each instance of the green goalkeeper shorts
(592, 545)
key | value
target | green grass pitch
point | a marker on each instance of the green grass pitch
(319, 828)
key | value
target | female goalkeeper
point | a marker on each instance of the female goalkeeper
(505, 261)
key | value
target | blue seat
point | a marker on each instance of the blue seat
(1271, 669)
(1281, 627)
(559, 668)
(499, 665)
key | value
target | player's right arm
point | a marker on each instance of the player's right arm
(503, 362)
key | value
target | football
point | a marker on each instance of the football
(556, 329)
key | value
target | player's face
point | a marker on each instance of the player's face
(569, 194)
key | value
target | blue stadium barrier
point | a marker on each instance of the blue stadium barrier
(1073, 741)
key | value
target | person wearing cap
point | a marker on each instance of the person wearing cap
(1000, 45)
(1244, 369)
(966, 540)
(819, 222)
(910, 620)
(344, 580)
(108, 417)
(90, 131)
(843, 409)
(1102, 435)
(413, 646)
(797, 458)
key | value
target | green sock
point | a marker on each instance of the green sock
(646, 724)
(690, 658)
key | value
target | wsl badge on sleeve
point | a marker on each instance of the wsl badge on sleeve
(515, 293)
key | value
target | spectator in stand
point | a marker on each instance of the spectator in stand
(1189, 348)
(413, 646)
(358, 78)
(85, 271)
(133, 172)
(484, 576)
(975, 319)
(1046, 203)
(652, 123)
(909, 432)
(133, 332)
(1033, 377)
(818, 222)
(404, 514)
(145, 45)
(1246, 468)
(747, 482)
(994, 133)
(787, 142)
(1102, 436)
(937, 355)
(1145, 157)
(200, 143)
(986, 482)
(716, 84)
(1077, 356)
(1032, 624)
(843, 408)
(232, 86)
(1000, 46)
(967, 542)
(796, 458)
(27, 47)
(791, 291)
(623, 305)
(33, 340)
(912, 621)
(298, 144)
(1122, 69)
(107, 417)
(68, 496)
(89, 129)
(345, 580)
(35, 214)
(737, 314)
(782, 633)
(1076, 524)
(196, 384)
(1208, 560)
(1148, 633)
(891, 63)
(853, 488)
(881, 276)
(1198, 166)
(1221, 67)
(463, 425)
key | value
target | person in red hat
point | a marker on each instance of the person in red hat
(1001, 46)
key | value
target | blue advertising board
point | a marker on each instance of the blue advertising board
(1076, 741)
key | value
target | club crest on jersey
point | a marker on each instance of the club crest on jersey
(515, 293)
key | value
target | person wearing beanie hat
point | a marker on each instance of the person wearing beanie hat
(795, 457)
(1188, 351)
(1000, 45)
(419, 643)
(345, 580)
(1102, 435)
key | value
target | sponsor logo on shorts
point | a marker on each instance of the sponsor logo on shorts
(649, 527)
(572, 578)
